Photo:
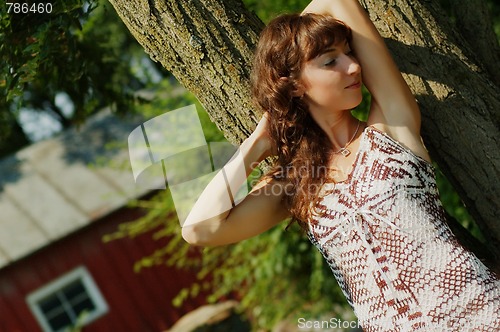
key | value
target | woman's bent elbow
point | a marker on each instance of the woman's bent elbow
(190, 235)
(196, 236)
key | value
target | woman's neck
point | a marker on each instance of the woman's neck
(340, 127)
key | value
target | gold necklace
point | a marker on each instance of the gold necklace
(345, 151)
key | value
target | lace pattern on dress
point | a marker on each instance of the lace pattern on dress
(383, 233)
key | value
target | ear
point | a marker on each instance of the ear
(299, 88)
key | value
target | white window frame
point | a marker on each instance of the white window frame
(80, 273)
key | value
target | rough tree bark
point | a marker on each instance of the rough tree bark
(207, 45)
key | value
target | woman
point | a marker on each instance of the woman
(364, 192)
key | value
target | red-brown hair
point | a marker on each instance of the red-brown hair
(285, 44)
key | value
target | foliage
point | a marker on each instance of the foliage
(80, 48)
(494, 8)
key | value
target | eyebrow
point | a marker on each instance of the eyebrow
(328, 50)
(332, 49)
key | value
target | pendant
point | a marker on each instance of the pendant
(345, 152)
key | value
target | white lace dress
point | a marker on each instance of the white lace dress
(383, 233)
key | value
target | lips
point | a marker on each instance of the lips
(355, 85)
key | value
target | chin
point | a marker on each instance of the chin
(354, 104)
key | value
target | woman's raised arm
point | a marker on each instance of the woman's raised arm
(212, 223)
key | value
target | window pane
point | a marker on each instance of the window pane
(82, 297)
(74, 290)
(49, 304)
(86, 307)
(60, 321)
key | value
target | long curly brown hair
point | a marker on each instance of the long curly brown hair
(285, 44)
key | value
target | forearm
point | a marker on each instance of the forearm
(218, 198)
(349, 12)
(344, 10)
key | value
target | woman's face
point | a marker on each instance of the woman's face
(333, 79)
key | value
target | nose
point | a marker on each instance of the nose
(353, 67)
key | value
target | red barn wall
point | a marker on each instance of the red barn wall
(137, 301)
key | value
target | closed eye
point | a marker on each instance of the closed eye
(331, 62)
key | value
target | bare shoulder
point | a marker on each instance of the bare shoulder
(406, 134)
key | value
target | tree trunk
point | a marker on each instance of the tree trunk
(475, 26)
(207, 45)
